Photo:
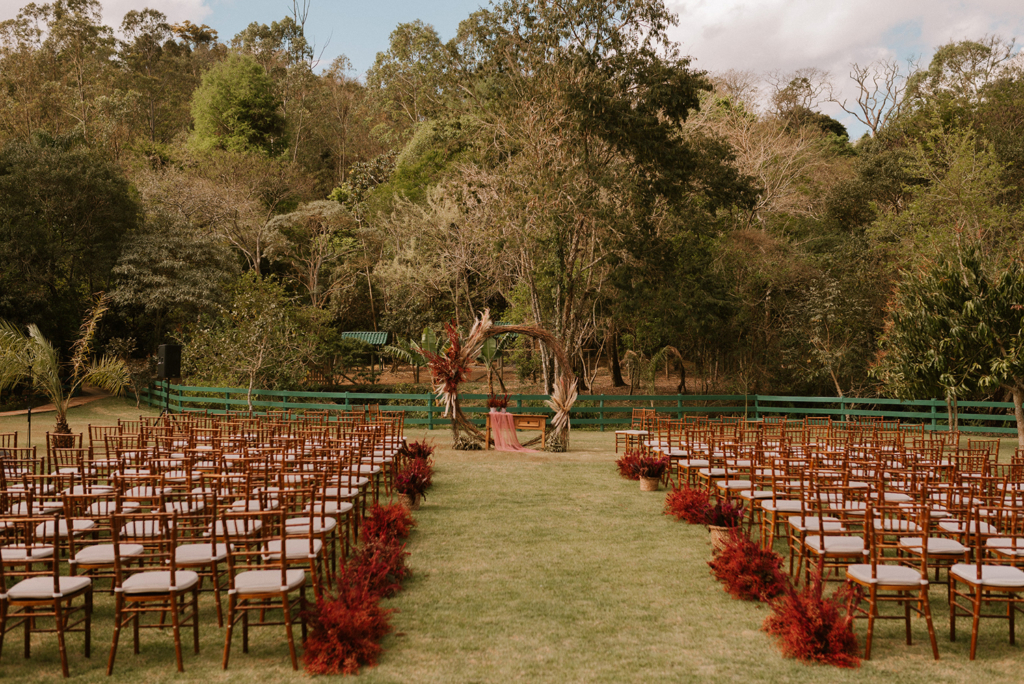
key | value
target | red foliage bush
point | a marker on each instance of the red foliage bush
(629, 465)
(417, 450)
(748, 571)
(686, 503)
(812, 628)
(392, 521)
(346, 629)
(423, 468)
(380, 566)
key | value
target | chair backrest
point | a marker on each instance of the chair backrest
(886, 524)
(23, 539)
(8, 439)
(155, 530)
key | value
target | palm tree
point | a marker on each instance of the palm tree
(31, 358)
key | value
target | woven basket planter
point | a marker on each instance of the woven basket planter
(649, 484)
(412, 504)
(719, 536)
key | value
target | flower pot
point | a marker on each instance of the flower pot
(412, 503)
(649, 484)
(719, 536)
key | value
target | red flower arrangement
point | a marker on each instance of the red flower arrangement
(689, 504)
(391, 521)
(629, 465)
(446, 368)
(380, 565)
(748, 571)
(416, 450)
(423, 469)
(812, 628)
(495, 401)
(346, 629)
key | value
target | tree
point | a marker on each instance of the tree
(30, 357)
(263, 341)
(63, 214)
(880, 88)
(956, 325)
(170, 272)
(237, 109)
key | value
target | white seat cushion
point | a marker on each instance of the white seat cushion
(102, 509)
(103, 554)
(159, 582)
(840, 546)
(237, 527)
(755, 494)
(330, 508)
(810, 523)
(253, 505)
(295, 549)
(995, 576)
(733, 484)
(887, 575)
(42, 587)
(32, 552)
(267, 581)
(301, 525)
(939, 546)
(200, 554)
(782, 506)
(38, 508)
(79, 526)
(143, 529)
(896, 525)
(1006, 546)
(80, 490)
(958, 527)
(146, 492)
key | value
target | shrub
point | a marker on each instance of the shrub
(412, 481)
(810, 627)
(724, 514)
(748, 571)
(688, 504)
(423, 468)
(652, 466)
(391, 521)
(346, 628)
(380, 566)
(417, 450)
(629, 465)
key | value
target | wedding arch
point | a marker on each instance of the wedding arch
(449, 368)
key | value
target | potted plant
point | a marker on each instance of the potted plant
(651, 469)
(722, 519)
(411, 486)
(497, 403)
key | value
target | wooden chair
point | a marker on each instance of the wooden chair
(42, 592)
(260, 582)
(888, 579)
(988, 581)
(153, 584)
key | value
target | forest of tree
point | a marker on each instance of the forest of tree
(560, 163)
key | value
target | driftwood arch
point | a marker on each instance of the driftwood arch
(449, 369)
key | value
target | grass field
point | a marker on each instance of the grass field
(543, 568)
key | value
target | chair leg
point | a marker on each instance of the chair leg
(58, 620)
(177, 631)
(195, 619)
(872, 613)
(118, 621)
(227, 636)
(288, 630)
(88, 622)
(927, 606)
(977, 619)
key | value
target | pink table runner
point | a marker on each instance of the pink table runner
(503, 427)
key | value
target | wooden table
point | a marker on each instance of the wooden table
(522, 421)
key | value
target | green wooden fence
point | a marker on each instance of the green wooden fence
(597, 411)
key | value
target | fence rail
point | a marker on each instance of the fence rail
(597, 411)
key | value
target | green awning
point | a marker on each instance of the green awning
(377, 339)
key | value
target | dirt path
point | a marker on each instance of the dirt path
(89, 395)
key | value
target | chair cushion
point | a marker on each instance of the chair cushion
(78, 526)
(896, 525)
(42, 587)
(267, 581)
(159, 582)
(102, 509)
(734, 484)
(301, 525)
(38, 508)
(146, 492)
(1005, 546)
(330, 508)
(782, 505)
(887, 575)
(79, 490)
(200, 554)
(995, 576)
(811, 523)
(295, 549)
(938, 546)
(32, 552)
(840, 546)
(103, 554)
(958, 527)
(142, 529)
(237, 527)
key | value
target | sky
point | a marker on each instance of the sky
(747, 35)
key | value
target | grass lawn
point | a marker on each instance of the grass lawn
(549, 568)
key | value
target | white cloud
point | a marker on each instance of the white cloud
(785, 35)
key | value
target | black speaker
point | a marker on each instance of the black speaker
(168, 361)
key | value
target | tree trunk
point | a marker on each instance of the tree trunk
(1018, 411)
(615, 366)
(952, 414)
